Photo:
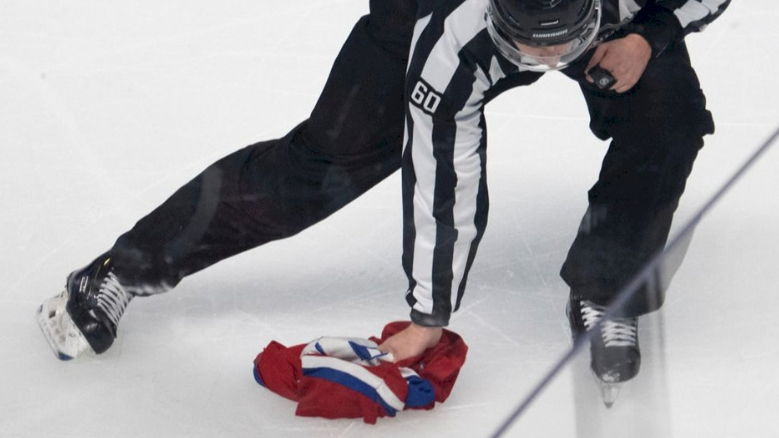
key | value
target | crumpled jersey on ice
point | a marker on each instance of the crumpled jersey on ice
(350, 378)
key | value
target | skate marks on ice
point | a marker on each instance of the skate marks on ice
(655, 276)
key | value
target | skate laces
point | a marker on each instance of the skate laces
(112, 298)
(616, 332)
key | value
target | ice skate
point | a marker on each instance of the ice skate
(614, 353)
(84, 317)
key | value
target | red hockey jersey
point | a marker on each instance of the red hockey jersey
(350, 377)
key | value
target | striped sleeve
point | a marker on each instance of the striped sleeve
(444, 185)
(662, 22)
(694, 15)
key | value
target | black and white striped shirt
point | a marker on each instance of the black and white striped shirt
(453, 66)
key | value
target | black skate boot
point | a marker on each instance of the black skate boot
(86, 314)
(614, 353)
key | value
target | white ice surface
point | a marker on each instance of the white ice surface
(107, 107)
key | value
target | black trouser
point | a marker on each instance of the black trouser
(275, 189)
(353, 140)
(656, 130)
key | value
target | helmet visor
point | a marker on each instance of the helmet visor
(543, 58)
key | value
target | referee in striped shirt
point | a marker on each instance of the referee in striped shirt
(408, 90)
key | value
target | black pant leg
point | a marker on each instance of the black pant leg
(656, 130)
(275, 189)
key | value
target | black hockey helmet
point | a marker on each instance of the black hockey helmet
(543, 35)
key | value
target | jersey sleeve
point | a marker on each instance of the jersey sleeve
(444, 185)
(661, 22)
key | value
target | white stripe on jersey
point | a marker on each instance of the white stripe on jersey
(424, 168)
(695, 10)
(438, 74)
(628, 9)
(468, 165)
(358, 372)
(496, 73)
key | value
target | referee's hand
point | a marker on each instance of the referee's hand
(625, 58)
(411, 341)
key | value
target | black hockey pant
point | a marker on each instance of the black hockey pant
(656, 130)
(275, 189)
(353, 140)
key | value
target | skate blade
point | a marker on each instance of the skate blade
(609, 392)
(64, 338)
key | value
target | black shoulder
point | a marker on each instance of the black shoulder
(426, 7)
